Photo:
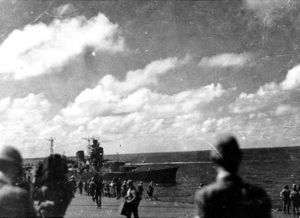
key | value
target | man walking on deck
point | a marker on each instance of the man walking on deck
(229, 196)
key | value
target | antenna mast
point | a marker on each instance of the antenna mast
(51, 140)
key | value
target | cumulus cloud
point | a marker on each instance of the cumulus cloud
(39, 49)
(129, 110)
(265, 96)
(148, 114)
(22, 119)
(226, 60)
(112, 96)
(292, 79)
(283, 109)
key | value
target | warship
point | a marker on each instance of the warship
(109, 169)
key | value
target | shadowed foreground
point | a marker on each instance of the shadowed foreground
(83, 206)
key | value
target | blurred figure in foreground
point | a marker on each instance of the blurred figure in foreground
(286, 201)
(54, 192)
(14, 201)
(229, 196)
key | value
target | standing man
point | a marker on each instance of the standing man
(286, 201)
(98, 192)
(80, 186)
(14, 201)
(150, 190)
(229, 196)
(140, 190)
(132, 200)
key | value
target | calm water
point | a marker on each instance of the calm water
(271, 175)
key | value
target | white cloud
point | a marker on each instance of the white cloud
(283, 109)
(209, 125)
(292, 79)
(265, 96)
(41, 48)
(21, 121)
(112, 96)
(157, 115)
(128, 110)
(226, 60)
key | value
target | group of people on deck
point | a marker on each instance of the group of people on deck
(290, 197)
(126, 189)
(228, 197)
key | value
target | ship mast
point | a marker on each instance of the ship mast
(51, 140)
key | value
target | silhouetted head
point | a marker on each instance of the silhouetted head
(227, 153)
(53, 168)
(286, 187)
(11, 162)
(129, 183)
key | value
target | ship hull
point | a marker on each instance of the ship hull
(166, 176)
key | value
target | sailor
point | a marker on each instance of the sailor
(229, 196)
(80, 187)
(132, 200)
(286, 201)
(150, 191)
(140, 190)
(14, 201)
(124, 189)
(295, 198)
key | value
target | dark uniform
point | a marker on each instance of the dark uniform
(15, 201)
(286, 201)
(98, 193)
(53, 190)
(229, 196)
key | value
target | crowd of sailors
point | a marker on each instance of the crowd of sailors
(97, 188)
(116, 188)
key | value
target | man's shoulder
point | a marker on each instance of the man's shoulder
(216, 188)
(255, 191)
(9, 193)
(208, 190)
(7, 188)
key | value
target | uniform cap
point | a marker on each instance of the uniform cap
(227, 152)
(11, 155)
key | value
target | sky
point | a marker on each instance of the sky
(148, 76)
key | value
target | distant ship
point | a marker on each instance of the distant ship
(117, 169)
(165, 175)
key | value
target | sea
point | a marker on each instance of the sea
(269, 168)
